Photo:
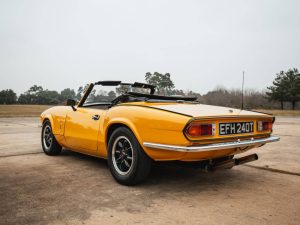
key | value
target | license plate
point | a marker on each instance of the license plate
(236, 128)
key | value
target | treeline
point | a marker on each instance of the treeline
(286, 88)
(284, 93)
(37, 95)
(253, 99)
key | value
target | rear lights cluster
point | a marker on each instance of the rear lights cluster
(264, 126)
(199, 129)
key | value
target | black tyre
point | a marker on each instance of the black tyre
(127, 161)
(49, 143)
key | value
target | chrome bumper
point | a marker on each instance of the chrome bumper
(213, 147)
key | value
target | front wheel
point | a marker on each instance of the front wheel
(49, 143)
(127, 161)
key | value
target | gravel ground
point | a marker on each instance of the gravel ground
(78, 189)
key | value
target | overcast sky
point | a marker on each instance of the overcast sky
(202, 44)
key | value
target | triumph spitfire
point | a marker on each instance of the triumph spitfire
(137, 127)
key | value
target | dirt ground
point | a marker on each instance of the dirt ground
(77, 189)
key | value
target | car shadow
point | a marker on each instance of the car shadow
(166, 176)
(94, 161)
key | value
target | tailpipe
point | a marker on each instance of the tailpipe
(246, 159)
(228, 164)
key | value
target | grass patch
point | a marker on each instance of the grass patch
(36, 110)
(22, 110)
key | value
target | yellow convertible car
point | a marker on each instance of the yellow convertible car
(137, 127)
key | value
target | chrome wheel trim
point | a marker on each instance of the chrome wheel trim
(122, 155)
(47, 137)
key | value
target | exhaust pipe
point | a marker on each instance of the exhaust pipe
(234, 162)
(246, 159)
(224, 165)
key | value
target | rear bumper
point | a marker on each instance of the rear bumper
(213, 147)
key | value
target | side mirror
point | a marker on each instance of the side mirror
(72, 103)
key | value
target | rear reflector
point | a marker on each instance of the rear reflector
(196, 130)
(264, 126)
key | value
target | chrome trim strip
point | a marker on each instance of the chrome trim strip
(212, 147)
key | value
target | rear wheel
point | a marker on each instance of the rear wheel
(49, 143)
(127, 161)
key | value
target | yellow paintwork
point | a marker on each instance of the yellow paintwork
(161, 123)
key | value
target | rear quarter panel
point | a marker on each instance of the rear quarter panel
(164, 127)
(150, 125)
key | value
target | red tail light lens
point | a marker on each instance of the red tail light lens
(264, 126)
(196, 130)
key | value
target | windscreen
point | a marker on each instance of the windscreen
(105, 94)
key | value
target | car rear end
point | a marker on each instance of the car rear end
(219, 132)
(218, 137)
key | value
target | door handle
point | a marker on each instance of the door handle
(95, 117)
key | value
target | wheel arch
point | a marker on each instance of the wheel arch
(57, 116)
(113, 125)
(47, 118)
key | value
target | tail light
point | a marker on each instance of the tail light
(264, 126)
(199, 129)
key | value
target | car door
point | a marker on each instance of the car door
(81, 129)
